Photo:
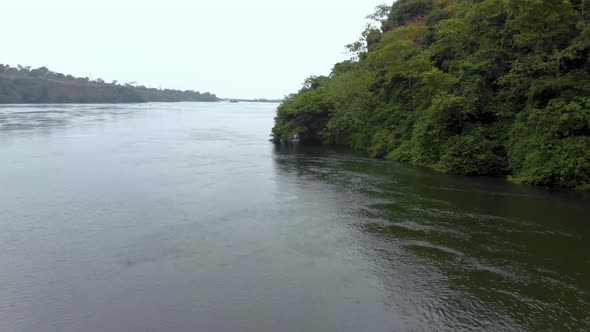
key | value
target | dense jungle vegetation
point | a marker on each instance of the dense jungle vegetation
(473, 87)
(25, 85)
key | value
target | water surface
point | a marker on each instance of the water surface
(183, 217)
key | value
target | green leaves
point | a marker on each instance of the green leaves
(465, 87)
(472, 154)
(540, 25)
(304, 115)
(551, 146)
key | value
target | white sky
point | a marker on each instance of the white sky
(233, 48)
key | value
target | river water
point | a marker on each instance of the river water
(184, 217)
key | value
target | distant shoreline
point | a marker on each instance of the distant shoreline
(141, 102)
(111, 103)
(23, 85)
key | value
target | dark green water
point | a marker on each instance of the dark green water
(183, 217)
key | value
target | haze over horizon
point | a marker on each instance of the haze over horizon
(260, 49)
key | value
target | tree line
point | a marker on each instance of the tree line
(473, 87)
(41, 85)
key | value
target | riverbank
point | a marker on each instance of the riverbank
(460, 87)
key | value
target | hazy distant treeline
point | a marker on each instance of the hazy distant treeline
(25, 85)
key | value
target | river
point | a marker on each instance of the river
(184, 217)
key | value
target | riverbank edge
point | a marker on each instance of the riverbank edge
(509, 178)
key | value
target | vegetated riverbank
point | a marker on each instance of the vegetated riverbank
(43, 86)
(489, 88)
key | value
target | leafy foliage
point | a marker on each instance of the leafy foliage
(496, 87)
(552, 145)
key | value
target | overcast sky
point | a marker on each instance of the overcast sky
(234, 48)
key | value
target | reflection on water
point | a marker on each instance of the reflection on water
(480, 252)
(184, 217)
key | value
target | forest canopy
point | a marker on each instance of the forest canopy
(25, 85)
(477, 87)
